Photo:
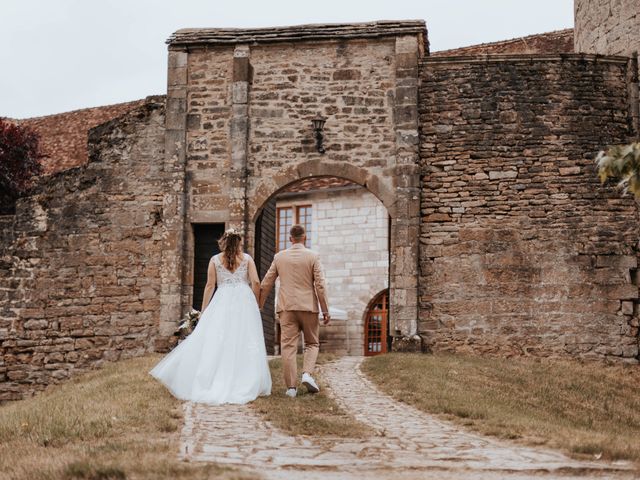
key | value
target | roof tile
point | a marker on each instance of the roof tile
(63, 136)
(559, 41)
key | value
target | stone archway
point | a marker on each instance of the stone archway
(262, 189)
(402, 205)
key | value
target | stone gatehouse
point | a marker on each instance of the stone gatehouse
(502, 241)
(262, 137)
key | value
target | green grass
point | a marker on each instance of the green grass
(307, 414)
(589, 408)
(113, 423)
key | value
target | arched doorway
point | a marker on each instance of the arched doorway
(376, 325)
(399, 193)
(348, 226)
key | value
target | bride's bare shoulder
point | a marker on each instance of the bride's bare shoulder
(249, 258)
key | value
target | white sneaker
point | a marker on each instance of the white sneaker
(310, 383)
(291, 392)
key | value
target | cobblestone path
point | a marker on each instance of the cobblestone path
(409, 444)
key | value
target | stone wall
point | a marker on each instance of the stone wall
(522, 250)
(209, 81)
(350, 232)
(607, 27)
(80, 276)
(353, 88)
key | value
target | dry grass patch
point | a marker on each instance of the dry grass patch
(307, 414)
(113, 423)
(583, 408)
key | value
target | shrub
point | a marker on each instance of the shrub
(621, 162)
(20, 161)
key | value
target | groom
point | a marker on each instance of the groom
(301, 288)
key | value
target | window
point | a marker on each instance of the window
(304, 219)
(286, 217)
(285, 222)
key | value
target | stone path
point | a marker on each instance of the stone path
(409, 444)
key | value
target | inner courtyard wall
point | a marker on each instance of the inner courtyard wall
(350, 232)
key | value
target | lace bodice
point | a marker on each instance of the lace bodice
(225, 278)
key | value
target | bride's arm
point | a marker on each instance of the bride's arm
(210, 286)
(254, 279)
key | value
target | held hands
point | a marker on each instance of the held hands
(326, 318)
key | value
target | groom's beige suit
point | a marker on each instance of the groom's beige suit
(302, 287)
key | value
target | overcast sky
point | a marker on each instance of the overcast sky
(61, 55)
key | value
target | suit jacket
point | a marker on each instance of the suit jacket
(301, 280)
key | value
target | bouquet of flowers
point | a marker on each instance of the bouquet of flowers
(188, 323)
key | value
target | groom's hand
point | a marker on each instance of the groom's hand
(326, 318)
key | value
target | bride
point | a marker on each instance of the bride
(224, 359)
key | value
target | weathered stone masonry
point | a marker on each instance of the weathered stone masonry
(607, 27)
(522, 251)
(80, 261)
(611, 27)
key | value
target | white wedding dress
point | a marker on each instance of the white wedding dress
(224, 359)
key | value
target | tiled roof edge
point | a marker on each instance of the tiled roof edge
(191, 36)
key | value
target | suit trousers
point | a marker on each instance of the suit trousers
(291, 323)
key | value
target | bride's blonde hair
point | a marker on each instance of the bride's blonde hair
(230, 244)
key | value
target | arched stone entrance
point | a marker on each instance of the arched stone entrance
(348, 226)
(262, 189)
(400, 203)
(238, 129)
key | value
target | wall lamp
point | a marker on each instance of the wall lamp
(318, 127)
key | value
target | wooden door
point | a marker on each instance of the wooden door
(205, 237)
(376, 325)
(265, 250)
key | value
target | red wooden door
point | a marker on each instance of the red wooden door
(375, 325)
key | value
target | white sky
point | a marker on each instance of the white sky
(61, 55)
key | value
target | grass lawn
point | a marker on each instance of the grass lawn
(585, 408)
(113, 423)
(307, 414)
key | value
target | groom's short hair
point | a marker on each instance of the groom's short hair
(297, 231)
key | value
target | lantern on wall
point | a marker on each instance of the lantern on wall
(318, 127)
